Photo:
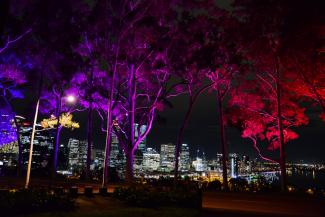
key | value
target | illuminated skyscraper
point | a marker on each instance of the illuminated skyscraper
(198, 164)
(77, 153)
(98, 158)
(151, 160)
(185, 158)
(219, 161)
(8, 135)
(142, 145)
(116, 156)
(167, 157)
(43, 143)
(233, 165)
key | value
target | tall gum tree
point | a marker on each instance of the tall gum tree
(138, 64)
(264, 28)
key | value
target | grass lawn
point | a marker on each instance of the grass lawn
(106, 207)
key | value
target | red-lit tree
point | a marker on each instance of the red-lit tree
(304, 61)
(264, 37)
(254, 111)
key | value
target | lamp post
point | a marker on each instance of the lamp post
(31, 146)
(70, 99)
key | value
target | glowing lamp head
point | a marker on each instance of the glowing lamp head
(71, 99)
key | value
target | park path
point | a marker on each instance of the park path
(272, 204)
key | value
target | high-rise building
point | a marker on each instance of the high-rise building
(198, 164)
(233, 165)
(142, 145)
(167, 157)
(244, 165)
(115, 150)
(63, 162)
(141, 148)
(98, 156)
(219, 160)
(117, 156)
(204, 162)
(42, 146)
(185, 158)
(151, 160)
(9, 154)
(8, 135)
(77, 153)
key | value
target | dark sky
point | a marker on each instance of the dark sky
(202, 131)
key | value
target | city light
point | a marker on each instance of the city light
(71, 99)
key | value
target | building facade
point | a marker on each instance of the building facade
(151, 160)
(167, 157)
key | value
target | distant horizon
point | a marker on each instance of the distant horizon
(153, 137)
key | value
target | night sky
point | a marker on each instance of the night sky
(202, 132)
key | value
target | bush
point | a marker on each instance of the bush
(238, 184)
(214, 186)
(147, 196)
(262, 185)
(31, 201)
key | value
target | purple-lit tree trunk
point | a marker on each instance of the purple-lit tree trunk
(131, 116)
(57, 134)
(109, 127)
(222, 139)
(20, 148)
(180, 135)
(126, 131)
(89, 126)
(89, 139)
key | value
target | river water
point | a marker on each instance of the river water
(307, 179)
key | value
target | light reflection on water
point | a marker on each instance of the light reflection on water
(307, 179)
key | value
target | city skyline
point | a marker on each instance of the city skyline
(204, 115)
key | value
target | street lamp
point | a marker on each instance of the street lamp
(71, 99)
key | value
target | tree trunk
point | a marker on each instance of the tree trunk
(181, 131)
(180, 139)
(20, 148)
(131, 117)
(129, 167)
(57, 138)
(222, 140)
(280, 129)
(108, 143)
(89, 140)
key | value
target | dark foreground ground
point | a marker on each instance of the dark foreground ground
(214, 205)
(271, 204)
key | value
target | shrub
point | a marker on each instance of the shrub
(262, 185)
(31, 201)
(214, 186)
(147, 196)
(238, 184)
